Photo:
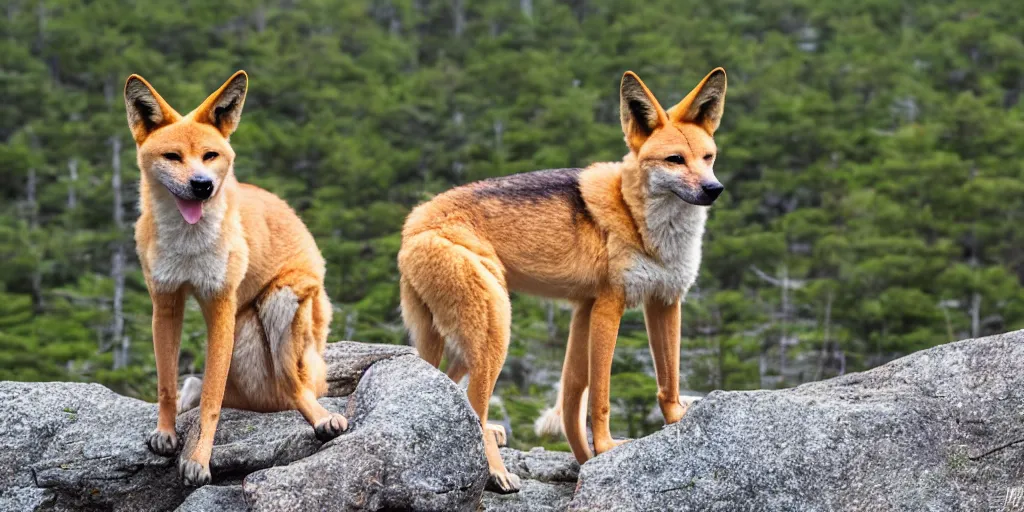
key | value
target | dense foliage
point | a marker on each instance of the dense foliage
(872, 154)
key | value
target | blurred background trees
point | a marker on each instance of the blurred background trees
(872, 154)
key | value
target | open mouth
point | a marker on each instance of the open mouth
(191, 210)
(189, 197)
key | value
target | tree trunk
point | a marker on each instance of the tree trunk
(826, 343)
(785, 321)
(261, 19)
(552, 325)
(458, 18)
(762, 367)
(526, 6)
(350, 324)
(499, 135)
(30, 198)
(72, 183)
(720, 374)
(975, 315)
(120, 341)
(630, 427)
(974, 263)
(32, 205)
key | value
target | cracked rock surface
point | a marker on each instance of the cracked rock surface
(413, 444)
(941, 429)
(549, 479)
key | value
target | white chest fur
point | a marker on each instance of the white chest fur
(193, 254)
(675, 229)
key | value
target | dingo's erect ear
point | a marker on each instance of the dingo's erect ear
(639, 112)
(705, 103)
(223, 109)
(147, 111)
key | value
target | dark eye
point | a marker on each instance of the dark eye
(675, 159)
(709, 157)
(210, 155)
(174, 157)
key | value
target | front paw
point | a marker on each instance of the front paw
(503, 482)
(330, 427)
(193, 474)
(163, 443)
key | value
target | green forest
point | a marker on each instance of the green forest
(872, 152)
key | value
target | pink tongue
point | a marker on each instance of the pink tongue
(192, 211)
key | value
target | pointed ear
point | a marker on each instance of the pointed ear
(147, 111)
(223, 109)
(705, 103)
(639, 112)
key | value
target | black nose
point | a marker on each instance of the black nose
(713, 189)
(202, 187)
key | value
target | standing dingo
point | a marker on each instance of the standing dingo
(606, 237)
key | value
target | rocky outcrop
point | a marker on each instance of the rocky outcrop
(941, 429)
(413, 444)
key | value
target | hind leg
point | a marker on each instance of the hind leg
(278, 363)
(420, 324)
(465, 294)
(485, 341)
(456, 371)
(484, 368)
(575, 379)
(298, 359)
(326, 425)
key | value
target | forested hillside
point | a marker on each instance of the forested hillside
(873, 154)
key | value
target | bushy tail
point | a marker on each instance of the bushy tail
(550, 421)
(188, 397)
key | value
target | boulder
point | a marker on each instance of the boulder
(215, 498)
(549, 479)
(941, 429)
(413, 443)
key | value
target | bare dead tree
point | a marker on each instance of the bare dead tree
(458, 18)
(121, 356)
(526, 7)
(119, 341)
(72, 182)
(973, 262)
(552, 325)
(826, 342)
(350, 324)
(32, 212)
(785, 285)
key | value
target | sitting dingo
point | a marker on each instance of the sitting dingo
(244, 255)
